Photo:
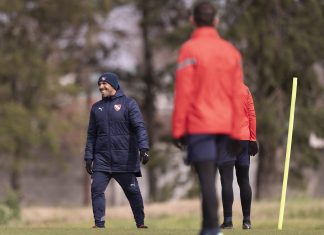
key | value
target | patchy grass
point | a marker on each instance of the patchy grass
(302, 216)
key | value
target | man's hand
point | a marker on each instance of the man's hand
(253, 148)
(234, 147)
(180, 143)
(144, 156)
(89, 166)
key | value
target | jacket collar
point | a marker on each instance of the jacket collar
(205, 31)
(119, 93)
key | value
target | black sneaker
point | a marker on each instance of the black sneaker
(246, 224)
(227, 225)
(95, 226)
(142, 226)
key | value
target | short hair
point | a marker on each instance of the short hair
(204, 13)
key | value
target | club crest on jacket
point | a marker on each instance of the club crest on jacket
(117, 107)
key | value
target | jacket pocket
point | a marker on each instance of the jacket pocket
(121, 159)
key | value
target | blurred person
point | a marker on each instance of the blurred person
(246, 119)
(208, 75)
(117, 142)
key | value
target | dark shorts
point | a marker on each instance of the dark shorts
(205, 147)
(242, 159)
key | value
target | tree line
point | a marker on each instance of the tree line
(42, 41)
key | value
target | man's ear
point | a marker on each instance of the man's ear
(216, 21)
(192, 20)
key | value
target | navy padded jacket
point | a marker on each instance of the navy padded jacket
(116, 132)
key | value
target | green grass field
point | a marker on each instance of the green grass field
(302, 216)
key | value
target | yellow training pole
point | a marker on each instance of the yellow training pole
(290, 132)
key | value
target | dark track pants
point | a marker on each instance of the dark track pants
(130, 186)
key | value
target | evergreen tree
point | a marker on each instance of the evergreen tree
(159, 21)
(34, 36)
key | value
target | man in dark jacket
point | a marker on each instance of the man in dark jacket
(116, 143)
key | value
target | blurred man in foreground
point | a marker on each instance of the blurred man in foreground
(208, 76)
